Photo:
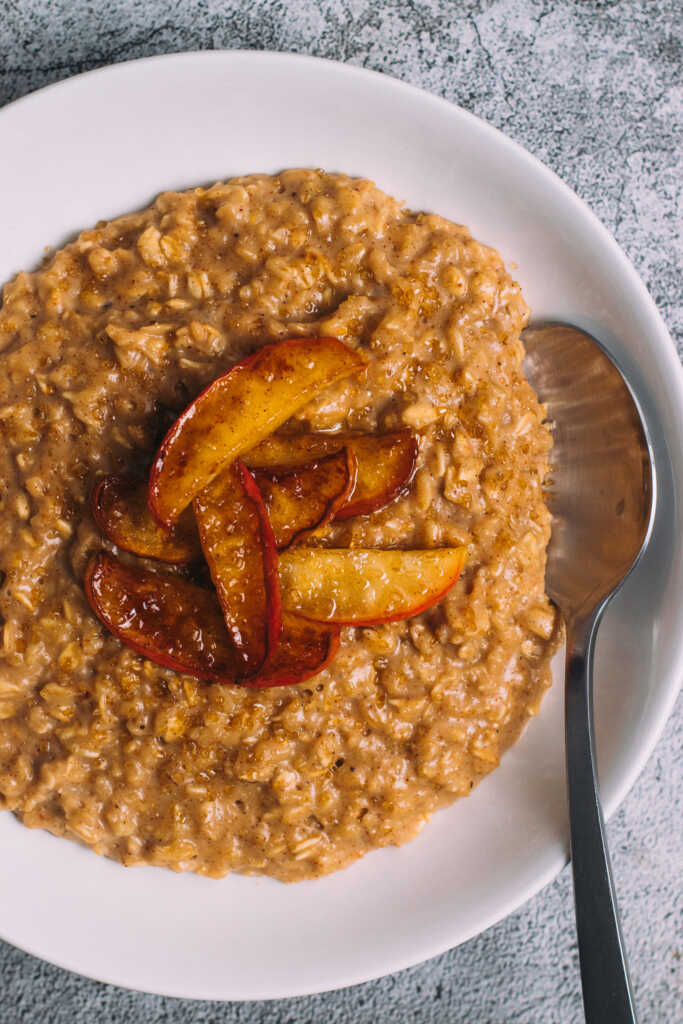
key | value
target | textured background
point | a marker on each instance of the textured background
(593, 88)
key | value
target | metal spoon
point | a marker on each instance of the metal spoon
(602, 497)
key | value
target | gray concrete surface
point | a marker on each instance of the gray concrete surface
(593, 88)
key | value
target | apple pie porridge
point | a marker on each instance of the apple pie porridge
(272, 545)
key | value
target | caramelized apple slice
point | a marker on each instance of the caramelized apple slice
(385, 464)
(168, 620)
(238, 410)
(302, 500)
(120, 509)
(361, 587)
(386, 467)
(239, 547)
(305, 649)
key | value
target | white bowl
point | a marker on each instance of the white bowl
(107, 142)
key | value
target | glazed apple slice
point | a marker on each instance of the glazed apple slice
(238, 410)
(386, 463)
(239, 547)
(120, 509)
(166, 619)
(386, 467)
(361, 587)
(302, 500)
(304, 650)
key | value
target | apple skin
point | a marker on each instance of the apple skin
(119, 507)
(300, 501)
(239, 547)
(365, 500)
(353, 587)
(240, 408)
(148, 611)
(303, 652)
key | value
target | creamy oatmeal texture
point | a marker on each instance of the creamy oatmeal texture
(99, 350)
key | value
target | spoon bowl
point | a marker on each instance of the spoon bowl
(602, 495)
(602, 489)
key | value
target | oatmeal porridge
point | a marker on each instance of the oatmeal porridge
(99, 352)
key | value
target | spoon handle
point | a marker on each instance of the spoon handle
(605, 981)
